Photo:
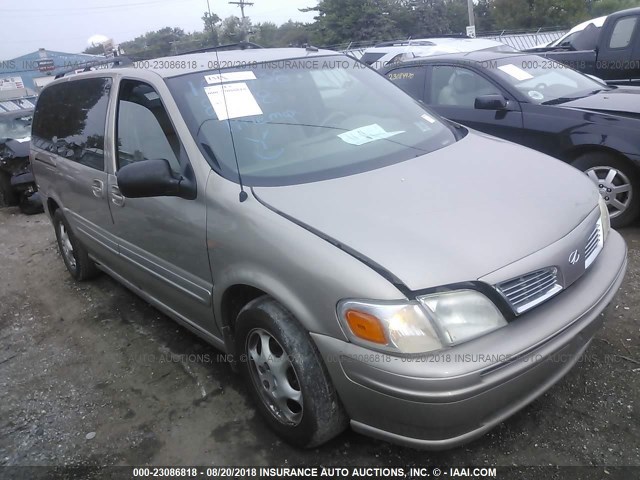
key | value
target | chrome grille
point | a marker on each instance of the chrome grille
(594, 245)
(531, 289)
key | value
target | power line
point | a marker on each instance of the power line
(242, 4)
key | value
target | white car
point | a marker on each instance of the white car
(571, 34)
(385, 53)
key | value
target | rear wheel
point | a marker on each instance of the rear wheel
(286, 376)
(8, 197)
(75, 256)
(618, 183)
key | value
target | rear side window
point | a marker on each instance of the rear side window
(371, 57)
(409, 79)
(70, 119)
(622, 32)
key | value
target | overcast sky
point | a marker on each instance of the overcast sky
(66, 25)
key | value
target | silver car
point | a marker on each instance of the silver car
(364, 261)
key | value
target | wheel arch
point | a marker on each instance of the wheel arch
(52, 206)
(232, 295)
(576, 152)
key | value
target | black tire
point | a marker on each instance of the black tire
(81, 267)
(8, 196)
(594, 160)
(321, 416)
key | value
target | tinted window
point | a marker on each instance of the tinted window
(370, 57)
(458, 86)
(622, 32)
(70, 120)
(144, 130)
(411, 80)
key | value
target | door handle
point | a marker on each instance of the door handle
(116, 197)
(97, 187)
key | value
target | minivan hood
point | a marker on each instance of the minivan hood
(452, 215)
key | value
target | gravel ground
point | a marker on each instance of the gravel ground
(92, 375)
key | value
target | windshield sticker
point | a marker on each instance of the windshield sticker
(229, 77)
(536, 95)
(236, 101)
(428, 118)
(366, 134)
(515, 72)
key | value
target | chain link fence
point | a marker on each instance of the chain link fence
(518, 39)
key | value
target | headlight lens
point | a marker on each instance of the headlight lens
(395, 327)
(435, 321)
(462, 315)
(604, 218)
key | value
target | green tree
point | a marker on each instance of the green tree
(159, 43)
(293, 33)
(598, 8)
(94, 50)
(231, 30)
(340, 21)
(210, 33)
(266, 34)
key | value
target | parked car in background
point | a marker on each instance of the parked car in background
(565, 40)
(387, 53)
(541, 104)
(17, 185)
(348, 249)
(610, 52)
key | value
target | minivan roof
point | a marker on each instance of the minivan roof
(174, 66)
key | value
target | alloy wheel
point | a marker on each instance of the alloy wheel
(67, 246)
(614, 186)
(274, 377)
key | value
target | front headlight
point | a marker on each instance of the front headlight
(462, 315)
(435, 321)
(604, 218)
(395, 327)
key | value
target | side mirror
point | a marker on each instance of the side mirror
(153, 178)
(491, 102)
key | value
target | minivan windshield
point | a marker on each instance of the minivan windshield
(304, 120)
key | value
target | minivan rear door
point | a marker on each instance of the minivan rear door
(68, 153)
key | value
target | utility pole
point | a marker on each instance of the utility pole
(471, 29)
(209, 10)
(242, 4)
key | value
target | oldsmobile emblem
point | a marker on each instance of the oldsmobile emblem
(574, 257)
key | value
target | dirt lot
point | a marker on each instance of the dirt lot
(90, 374)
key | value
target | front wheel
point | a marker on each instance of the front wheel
(286, 376)
(618, 183)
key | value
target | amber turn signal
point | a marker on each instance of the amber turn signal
(366, 326)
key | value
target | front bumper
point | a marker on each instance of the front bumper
(450, 397)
